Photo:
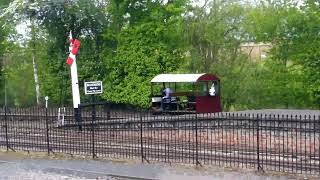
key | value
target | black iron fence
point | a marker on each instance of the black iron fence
(285, 143)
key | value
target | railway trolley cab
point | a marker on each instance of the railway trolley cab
(198, 93)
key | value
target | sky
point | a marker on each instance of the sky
(23, 29)
(198, 2)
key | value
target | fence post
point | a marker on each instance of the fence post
(6, 127)
(197, 148)
(258, 143)
(78, 117)
(47, 128)
(92, 126)
(107, 107)
(141, 136)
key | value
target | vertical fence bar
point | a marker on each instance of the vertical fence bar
(258, 143)
(304, 169)
(6, 127)
(92, 126)
(141, 136)
(108, 111)
(318, 134)
(47, 128)
(197, 143)
(242, 118)
(296, 141)
(78, 117)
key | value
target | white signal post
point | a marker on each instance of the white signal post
(71, 60)
(74, 78)
(75, 84)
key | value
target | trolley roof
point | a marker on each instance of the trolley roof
(184, 78)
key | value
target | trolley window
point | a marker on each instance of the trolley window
(213, 88)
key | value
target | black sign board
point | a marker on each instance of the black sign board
(94, 87)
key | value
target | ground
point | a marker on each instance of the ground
(37, 167)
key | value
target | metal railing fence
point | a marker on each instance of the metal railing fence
(284, 143)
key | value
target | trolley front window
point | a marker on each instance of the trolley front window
(213, 88)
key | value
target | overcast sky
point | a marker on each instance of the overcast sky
(23, 30)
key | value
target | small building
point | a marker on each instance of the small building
(256, 51)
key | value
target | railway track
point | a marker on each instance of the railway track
(172, 138)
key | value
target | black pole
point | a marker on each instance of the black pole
(77, 114)
(92, 125)
(6, 126)
(141, 140)
(258, 143)
(107, 108)
(47, 127)
(197, 150)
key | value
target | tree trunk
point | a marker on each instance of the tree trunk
(36, 78)
(35, 66)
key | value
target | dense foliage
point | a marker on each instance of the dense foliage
(125, 43)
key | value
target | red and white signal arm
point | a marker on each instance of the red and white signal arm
(93, 87)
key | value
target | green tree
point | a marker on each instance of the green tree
(290, 30)
(146, 46)
(53, 21)
(2, 77)
(305, 43)
(20, 82)
(86, 20)
(4, 45)
(215, 32)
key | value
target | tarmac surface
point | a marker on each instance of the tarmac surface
(282, 112)
(16, 166)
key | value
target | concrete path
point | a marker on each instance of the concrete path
(18, 166)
